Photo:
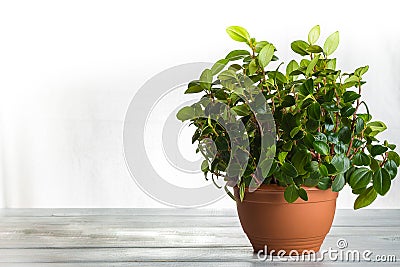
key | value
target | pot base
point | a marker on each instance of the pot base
(274, 246)
(272, 224)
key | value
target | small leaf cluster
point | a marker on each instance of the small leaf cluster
(325, 134)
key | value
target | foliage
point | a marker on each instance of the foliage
(322, 137)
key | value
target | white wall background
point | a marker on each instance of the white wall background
(68, 70)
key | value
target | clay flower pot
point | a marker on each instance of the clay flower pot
(269, 221)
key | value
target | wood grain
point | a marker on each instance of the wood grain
(168, 237)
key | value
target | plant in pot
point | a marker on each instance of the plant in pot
(288, 140)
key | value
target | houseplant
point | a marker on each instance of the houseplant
(323, 138)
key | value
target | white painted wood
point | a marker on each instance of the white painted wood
(166, 237)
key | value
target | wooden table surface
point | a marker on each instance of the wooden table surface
(172, 237)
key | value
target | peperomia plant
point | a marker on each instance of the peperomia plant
(321, 137)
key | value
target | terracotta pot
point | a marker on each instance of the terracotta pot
(268, 220)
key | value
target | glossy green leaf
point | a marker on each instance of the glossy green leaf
(292, 66)
(315, 49)
(360, 178)
(321, 147)
(361, 159)
(338, 183)
(313, 63)
(206, 79)
(237, 54)
(307, 88)
(341, 163)
(204, 166)
(391, 168)
(314, 111)
(291, 194)
(303, 194)
(331, 43)
(289, 169)
(242, 110)
(194, 88)
(377, 150)
(265, 55)
(242, 190)
(365, 198)
(394, 157)
(218, 66)
(350, 96)
(238, 33)
(313, 35)
(324, 183)
(300, 47)
(381, 181)
(185, 113)
(344, 134)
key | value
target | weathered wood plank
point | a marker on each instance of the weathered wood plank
(166, 237)
(78, 255)
(97, 235)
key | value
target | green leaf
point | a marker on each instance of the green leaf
(241, 110)
(341, 163)
(314, 111)
(361, 71)
(303, 194)
(352, 79)
(252, 67)
(206, 79)
(313, 35)
(361, 159)
(360, 178)
(299, 160)
(395, 157)
(204, 166)
(291, 193)
(288, 101)
(300, 47)
(227, 75)
(289, 169)
(331, 43)
(292, 66)
(218, 66)
(350, 96)
(194, 88)
(324, 183)
(344, 134)
(376, 126)
(338, 183)
(391, 168)
(377, 150)
(314, 49)
(307, 88)
(360, 124)
(347, 110)
(365, 198)
(381, 181)
(321, 147)
(242, 189)
(312, 64)
(185, 113)
(294, 131)
(238, 33)
(282, 156)
(237, 54)
(265, 55)
(323, 170)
